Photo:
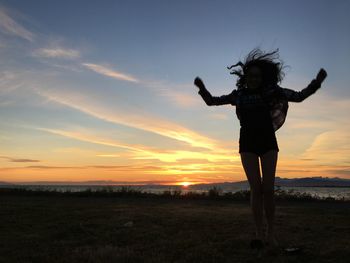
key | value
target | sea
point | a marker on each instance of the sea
(318, 192)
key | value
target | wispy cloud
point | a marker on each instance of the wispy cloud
(182, 95)
(132, 118)
(17, 160)
(180, 98)
(104, 182)
(144, 152)
(90, 138)
(171, 91)
(9, 26)
(57, 52)
(173, 162)
(320, 125)
(107, 71)
(330, 147)
(9, 82)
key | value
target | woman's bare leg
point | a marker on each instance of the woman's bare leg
(250, 162)
(268, 167)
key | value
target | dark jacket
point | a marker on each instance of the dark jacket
(275, 96)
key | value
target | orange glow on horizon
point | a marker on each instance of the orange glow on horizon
(186, 183)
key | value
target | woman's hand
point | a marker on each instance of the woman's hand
(322, 74)
(199, 83)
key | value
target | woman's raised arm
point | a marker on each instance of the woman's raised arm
(214, 100)
(299, 96)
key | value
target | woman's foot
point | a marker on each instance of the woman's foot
(258, 241)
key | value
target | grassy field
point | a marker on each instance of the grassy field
(67, 228)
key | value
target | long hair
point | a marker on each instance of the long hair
(271, 70)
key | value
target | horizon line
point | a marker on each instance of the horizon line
(111, 182)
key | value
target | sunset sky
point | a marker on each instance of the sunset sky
(103, 90)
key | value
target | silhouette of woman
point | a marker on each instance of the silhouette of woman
(261, 107)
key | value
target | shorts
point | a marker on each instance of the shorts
(257, 141)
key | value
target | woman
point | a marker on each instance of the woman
(261, 107)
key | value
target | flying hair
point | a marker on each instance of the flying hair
(271, 69)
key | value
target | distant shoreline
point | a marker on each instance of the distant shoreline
(125, 191)
(316, 181)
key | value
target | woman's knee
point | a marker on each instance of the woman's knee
(250, 163)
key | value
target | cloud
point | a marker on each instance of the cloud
(170, 162)
(171, 91)
(127, 115)
(19, 160)
(9, 26)
(132, 118)
(180, 98)
(9, 82)
(330, 147)
(56, 53)
(326, 116)
(90, 138)
(178, 94)
(144, 152)
(340, 171)
(106, 71)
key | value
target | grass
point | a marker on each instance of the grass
(124, 226)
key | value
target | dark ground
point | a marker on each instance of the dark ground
(92, 229)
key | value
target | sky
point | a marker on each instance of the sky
(103, 90)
